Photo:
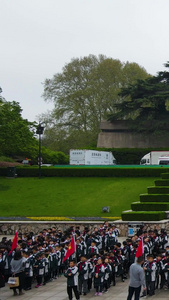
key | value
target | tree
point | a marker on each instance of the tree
(83, 94)
(145, 104)
(16, 133)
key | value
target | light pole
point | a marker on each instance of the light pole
(39, 131)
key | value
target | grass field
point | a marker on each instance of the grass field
(76, 197)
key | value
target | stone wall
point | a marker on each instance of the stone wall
(9, 228)
(118, 135)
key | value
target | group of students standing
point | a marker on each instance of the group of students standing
(98, 261)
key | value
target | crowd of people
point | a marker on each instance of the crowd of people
(98, 262)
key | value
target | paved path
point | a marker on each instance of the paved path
(56, 290)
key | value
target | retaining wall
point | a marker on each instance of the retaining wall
(9, 227)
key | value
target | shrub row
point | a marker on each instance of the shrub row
(162, 182)
(158, 190)
(150, 206)
(3, 171)
(143, 216)
(85, 172)
(154, 198)
(165, 175)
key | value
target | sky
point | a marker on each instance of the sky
(38, 37)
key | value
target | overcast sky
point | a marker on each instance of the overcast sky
(38, 37)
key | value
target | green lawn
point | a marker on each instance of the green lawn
(69, 196)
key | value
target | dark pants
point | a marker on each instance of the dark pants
(160, 280)
(89, 283)
(113, 278)
(150, 287)
(99, 288)
(133, 291)
(83, 287)
(69, 291)
(28, 282)
(39, 279)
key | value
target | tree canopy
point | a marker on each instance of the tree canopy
(16, 136)
(145, 103)
(83, 94)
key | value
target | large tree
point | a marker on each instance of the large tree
(16, 133)
(83, 94)
(145, 104)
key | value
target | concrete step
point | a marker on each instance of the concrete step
(154, 198)
(158, 190)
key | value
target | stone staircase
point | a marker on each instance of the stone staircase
(154, 205)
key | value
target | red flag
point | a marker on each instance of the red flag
(71, 249)
(139, 251)
(14, 243)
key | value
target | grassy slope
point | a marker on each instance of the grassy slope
(69, 196)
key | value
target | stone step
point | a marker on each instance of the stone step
(154, 198)
(158, 190)
(165, 175)
(143, 215)
(162, 182)
(149, 206)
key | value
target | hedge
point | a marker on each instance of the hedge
(3, 171)
(165, 175)
(86, 171)
(162, 182)
(143, 216)
(149, 206)
(154, 198)
(158, 190)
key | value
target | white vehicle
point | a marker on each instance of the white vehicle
(163, 160)
(91, 157)
(152, 158)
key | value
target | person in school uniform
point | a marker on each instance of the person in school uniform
(55, 262)
(7, 261)
(146, 249)
(150, 274)
(90, 270)
(58, 255)
(28, 270)
(45, 262)
(2, 271)
(92, 249)
(98, 274)
(72, 280)
(166, 273)
(39, 270)
(83, 275)
(84, 246)
(107, 270)
(79, 251)
(160, 278)
(114, 267)
(120, 259)
(115, 230)
(133, 253)
(63, 265)
(163, 239)
(51, 264)
(111, 240)
(125, 253)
